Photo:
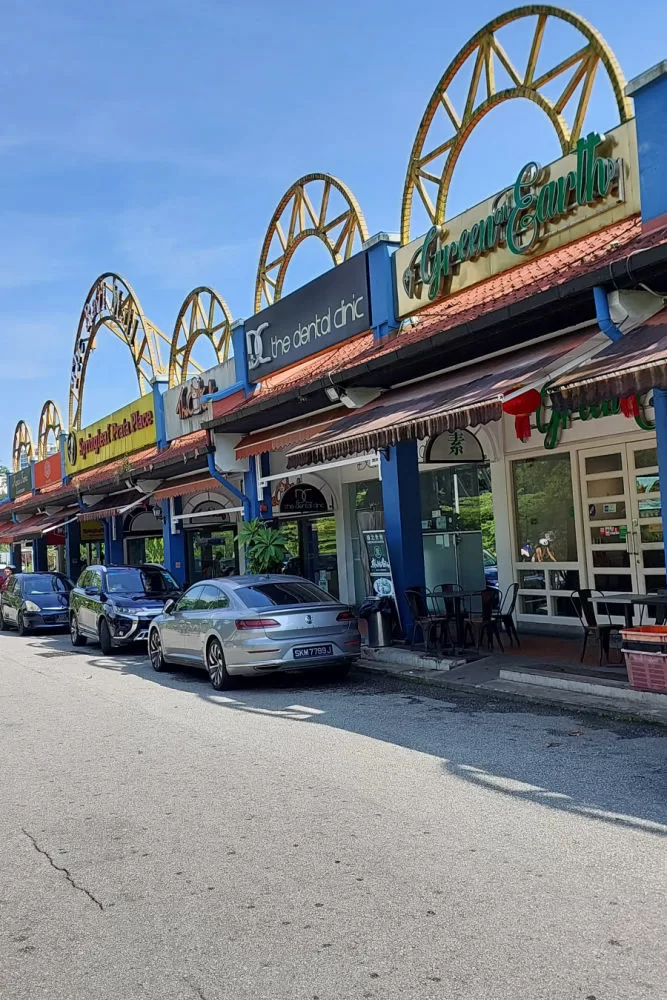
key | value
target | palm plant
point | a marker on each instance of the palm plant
(266, 547)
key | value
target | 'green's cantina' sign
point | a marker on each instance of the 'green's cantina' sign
(519, 220)
(543, 209)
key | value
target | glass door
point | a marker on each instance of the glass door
(622, 518)
(212, 553)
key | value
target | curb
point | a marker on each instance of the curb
(532, 698)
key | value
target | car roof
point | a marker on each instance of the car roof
(253, 579)
(41, 572)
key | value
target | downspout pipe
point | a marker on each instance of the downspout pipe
(229, 486)
(602, 314)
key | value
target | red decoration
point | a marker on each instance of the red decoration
(521, 407)
(630, 406)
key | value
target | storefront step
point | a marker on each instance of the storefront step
(586, 685)
(410, 659)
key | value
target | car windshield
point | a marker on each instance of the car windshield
(270, 595)
(151, 582)
(44, 585)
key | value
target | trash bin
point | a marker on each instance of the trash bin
(379, 614)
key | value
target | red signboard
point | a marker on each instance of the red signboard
(47, 472)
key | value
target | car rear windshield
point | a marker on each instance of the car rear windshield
(270, 595)
(43, 585)
(153, 582)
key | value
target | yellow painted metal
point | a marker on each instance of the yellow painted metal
(50, 422)
(203, 314)
(487, 52)
(302, 216)
(111, 302)
(22, 445)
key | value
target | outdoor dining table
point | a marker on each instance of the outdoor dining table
(458, 596)
(629, 601)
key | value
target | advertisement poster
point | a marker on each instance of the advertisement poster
(378, 563)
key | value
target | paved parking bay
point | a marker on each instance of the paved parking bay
(300, 839)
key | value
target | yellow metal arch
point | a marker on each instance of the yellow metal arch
(294, 220)
(203, 314)
(111, 302)
(22, 445)
(50, 422)
(577, 72)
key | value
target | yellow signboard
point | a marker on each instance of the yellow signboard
(91, 531)
(124, 431)
(544, 208)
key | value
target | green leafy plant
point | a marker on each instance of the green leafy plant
(266, 547)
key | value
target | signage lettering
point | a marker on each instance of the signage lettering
(518, 217)
(124, 431)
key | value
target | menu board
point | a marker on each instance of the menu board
(378, 563)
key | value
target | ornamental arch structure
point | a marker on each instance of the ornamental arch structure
(112, 303)
(50, 423)
(306, 210)
(22, 445)
(445, 127)
(204, 313)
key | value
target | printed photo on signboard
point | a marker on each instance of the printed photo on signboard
(378, 563)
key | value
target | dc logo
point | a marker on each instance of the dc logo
(255, 346)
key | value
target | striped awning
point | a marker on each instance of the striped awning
(181, 488)
(464, 398)
(118, 503)
(288, 435)
(633, 365)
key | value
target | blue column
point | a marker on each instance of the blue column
(113, 547)
(402, 518)
(649, 91)
(174, 543)
(380, 279)
(254, 506)
(39, 559)
(72, 551)
(15, 556)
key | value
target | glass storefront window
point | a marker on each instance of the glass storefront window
(458, 498)
(544, 510)
(366, 514)
(212, 553)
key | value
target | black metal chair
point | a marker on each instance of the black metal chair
(505, 614)
(486, 623)
(584, 601)
(453, 607)
(424, 617)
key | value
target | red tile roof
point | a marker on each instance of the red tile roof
(142, 461)
(535, 275)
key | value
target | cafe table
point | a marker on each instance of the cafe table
(629, 602)
(458, 597)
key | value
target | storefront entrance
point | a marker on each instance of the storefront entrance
(143, 539)
(622, 517)
(212, 552)
(312, 546)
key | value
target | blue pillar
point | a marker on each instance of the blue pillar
(174, 542)
(254, 506)
(649, 91)
(15, 556)
(380, 279)
(39, 558)
(72, 550)
(402, 518)
(113, 547)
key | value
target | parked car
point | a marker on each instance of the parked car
(248, 625)
(35, 601)
(114, 605)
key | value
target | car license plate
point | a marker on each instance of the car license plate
(305, 652)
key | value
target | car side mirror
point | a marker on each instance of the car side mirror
(169, 606)
(91, 591)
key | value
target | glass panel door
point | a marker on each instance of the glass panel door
(646, 524)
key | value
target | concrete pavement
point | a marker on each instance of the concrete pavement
(300, 839)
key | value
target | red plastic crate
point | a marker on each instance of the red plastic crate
(646, 671)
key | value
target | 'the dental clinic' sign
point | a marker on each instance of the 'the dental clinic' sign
(332, 308)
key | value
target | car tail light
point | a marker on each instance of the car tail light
(345, 616)
(246, 623)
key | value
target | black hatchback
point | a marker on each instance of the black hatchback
(35, 601)
(114, 605)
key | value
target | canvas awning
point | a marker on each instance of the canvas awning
(634, 364)
(32, 527)
(200, 484)
(290, 435)
(464, 398)
(118, 503)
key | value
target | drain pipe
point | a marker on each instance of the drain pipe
(229, 486)
(605, 322)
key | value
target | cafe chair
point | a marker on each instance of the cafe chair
(584, 602)
(485, 623)
(423, 609)
(505, 614)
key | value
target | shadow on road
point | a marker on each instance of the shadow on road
(546, 756)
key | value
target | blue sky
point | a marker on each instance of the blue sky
(155, 140)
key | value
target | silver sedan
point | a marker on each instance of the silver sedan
(249, 625)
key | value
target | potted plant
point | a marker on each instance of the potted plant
(266, 547)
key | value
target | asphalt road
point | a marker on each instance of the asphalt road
(310, 841)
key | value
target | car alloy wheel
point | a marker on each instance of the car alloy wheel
(215, 663)
(105, 638)
(155, 650)
(21, 625)
(74, 634)
(4, 624)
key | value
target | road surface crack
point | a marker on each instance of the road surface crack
(59, 868)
